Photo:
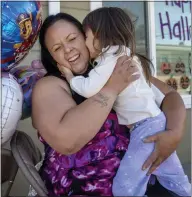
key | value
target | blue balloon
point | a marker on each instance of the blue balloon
(21, 22)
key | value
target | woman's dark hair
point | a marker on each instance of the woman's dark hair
(113, 26)
(46, 58)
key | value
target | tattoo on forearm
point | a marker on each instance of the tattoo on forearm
(101, 99)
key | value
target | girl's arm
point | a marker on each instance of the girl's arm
(98, 77)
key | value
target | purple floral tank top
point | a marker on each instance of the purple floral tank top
(90, 171)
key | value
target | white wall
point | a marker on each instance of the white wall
(77, 9)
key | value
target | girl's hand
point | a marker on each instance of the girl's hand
(66, 72)
(165, 144)
(123, 75)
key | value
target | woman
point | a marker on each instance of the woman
(83, 141)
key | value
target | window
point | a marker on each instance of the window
(136, 11)
(173, 44)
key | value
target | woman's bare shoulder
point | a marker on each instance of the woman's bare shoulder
(50, 82)
(51, 98)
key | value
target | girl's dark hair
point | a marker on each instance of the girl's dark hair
(47, 60)
(113, 26)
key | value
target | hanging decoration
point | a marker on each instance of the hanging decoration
(166, 66)
(180, 66)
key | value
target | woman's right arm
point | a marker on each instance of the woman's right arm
(67, 127)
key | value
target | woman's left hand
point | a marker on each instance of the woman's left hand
(165, 144)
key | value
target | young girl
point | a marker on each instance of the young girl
(110, 34)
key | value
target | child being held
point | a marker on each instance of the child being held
(109, 35)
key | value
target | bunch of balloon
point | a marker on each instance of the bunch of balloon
(20, 25)
(11, 105)
(27, 76)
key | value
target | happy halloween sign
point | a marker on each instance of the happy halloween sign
(173, 22)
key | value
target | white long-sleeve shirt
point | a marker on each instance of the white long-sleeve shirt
(136, 102)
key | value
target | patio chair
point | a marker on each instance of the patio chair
(27, 155)
(9, 170)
